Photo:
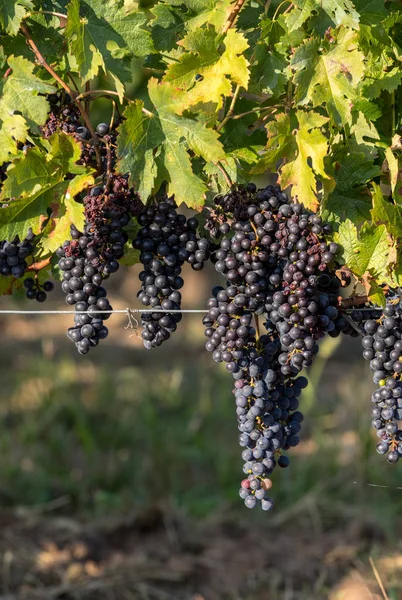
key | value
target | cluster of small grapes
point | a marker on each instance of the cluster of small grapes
(166, 240)
(65, 116)
(36, 290)
(13, 262)
(278, 264)
(382, 346)
(14, 254)
(92, 256)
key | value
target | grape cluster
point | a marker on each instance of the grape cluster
(166, 239)
(92, 256)
(277, 264)
(382, 346)
(37, 291)
(14, 254)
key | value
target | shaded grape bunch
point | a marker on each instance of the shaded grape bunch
(382, 346)
(93, 255)
(64, 115)
(83, 273)
(14, 254)
(37, 291)
(162, 256)
(166, 240)
(278, 264)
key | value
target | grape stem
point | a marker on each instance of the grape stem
(231, 18)
(38, 266)
(225, 175)
(257, 328)
(354, 301)
(112, 93)
(352, 323)
(42, 61)
(230, 112)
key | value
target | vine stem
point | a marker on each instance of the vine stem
(354, 301)
(232, 17)
(38, 266)
(257, 328)
(112, 93)
(280, 6)
(352, 323)
(46, 12)
(42, 61)
(225, 175)
(393, 113)
(230, 112)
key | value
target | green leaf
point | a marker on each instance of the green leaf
(395, 175)
(149, 143)
(217, 67)
(11, 14)
(81, 43)
(365, 253)
(386, 213)
(341, 12)
(329, 74)
(388, 81)
(37, 187)
(351, 199)
(36, 170)
(364, 131)
(296, 18)
(267, 71)
(21, 93)
(57, 230)
(281, 143)
(102, 35)
(312, 147)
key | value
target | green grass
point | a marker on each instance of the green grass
(111, 437)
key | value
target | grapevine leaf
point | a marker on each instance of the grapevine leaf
(13, 129)
(57, 230)
(36, 169)
(296, 18)
(139, 137)
(281, 143)
(168, 137)
(101, 35)
(20, 215)
(395, 172)
(363, 129)
(312, 146)
(37, 187)
(354, 205)
(366, 253)
(218, 68)
(341, 12)
(328, 74)
(267, 72)
(371, 11)
(82, 46)
(385, 80)
(20, 93)
(351, 198)
(167, 25)
(11, 14)
(387, 214)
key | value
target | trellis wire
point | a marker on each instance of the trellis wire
(122, 311)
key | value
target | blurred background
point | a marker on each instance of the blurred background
(120, 470)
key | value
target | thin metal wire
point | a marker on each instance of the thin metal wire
(375, 485)
(122, 311)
